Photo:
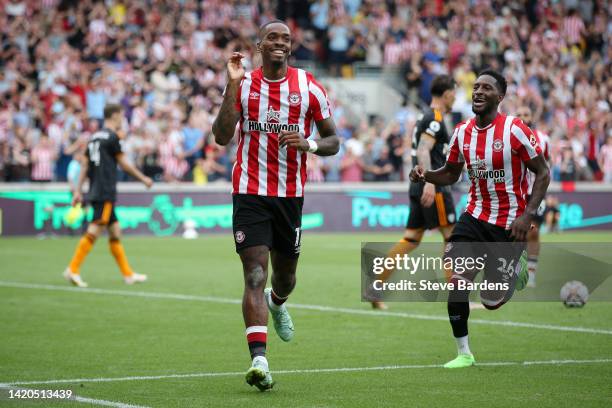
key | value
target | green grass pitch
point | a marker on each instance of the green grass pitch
(188, 324)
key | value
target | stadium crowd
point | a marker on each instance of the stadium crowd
(61, 61)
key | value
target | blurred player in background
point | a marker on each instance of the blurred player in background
(276, 107)
(100, 166)
(533, 237)
(552, 214)
(497, 149)
(430, 206)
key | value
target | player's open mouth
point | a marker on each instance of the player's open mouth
(279, 52)
(479, 102)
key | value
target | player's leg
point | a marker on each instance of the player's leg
(86, 243)
(283, 282)
(255, 313)
(252, 226)
(116, 248)
(287, 241)
(415, 228)
(409, 242)
(458, 305)
(503, 266)
(533, 252)
(463, 243)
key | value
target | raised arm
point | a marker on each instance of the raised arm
(225, 123)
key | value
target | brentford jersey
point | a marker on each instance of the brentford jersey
(267, 107)
(544, 145)
(495, 157)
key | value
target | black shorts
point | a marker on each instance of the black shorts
(440, 214)
(538, 218)
(498, 255)
(104, 212)
(271, 221)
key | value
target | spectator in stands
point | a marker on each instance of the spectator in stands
(163, 59)
(605, 160)
(44, 155)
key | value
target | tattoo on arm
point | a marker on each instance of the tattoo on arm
(225, 123)
(426, 144)
(329, 144)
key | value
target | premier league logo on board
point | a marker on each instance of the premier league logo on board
(294, 98)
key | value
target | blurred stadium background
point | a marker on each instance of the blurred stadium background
(177, 340)
(61, 61)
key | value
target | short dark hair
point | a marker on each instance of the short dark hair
(502, 85)
(111, 109)
(441, 84)
(264, 25)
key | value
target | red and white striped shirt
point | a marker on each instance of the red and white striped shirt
(544, 145)
(495, 156)
(293, 103)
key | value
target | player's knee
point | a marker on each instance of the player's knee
(255, 277)
(284, 280)
(492, 304)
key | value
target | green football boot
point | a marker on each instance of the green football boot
(259, 374)
(461, 361)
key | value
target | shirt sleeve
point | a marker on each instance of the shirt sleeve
(115, 146)
(319, 103)
(455, 155)
(524, 141)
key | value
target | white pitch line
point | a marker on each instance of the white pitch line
(309, 371)
(320, 308)
(93, 401)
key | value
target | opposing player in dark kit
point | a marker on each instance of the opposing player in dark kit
(100, 166)
(533, 237)
(430, 206)
(276, 108)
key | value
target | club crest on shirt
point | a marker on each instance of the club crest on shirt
(498, 146)
(533, 140)
(294, 98)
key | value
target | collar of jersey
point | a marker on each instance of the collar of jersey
(489, 125)
(276, 81)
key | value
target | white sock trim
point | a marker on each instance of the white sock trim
(463, 345)
(256, 329)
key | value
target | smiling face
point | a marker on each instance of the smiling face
(275, 43)
(486, 95)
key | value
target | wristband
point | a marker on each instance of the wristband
(312, 146)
